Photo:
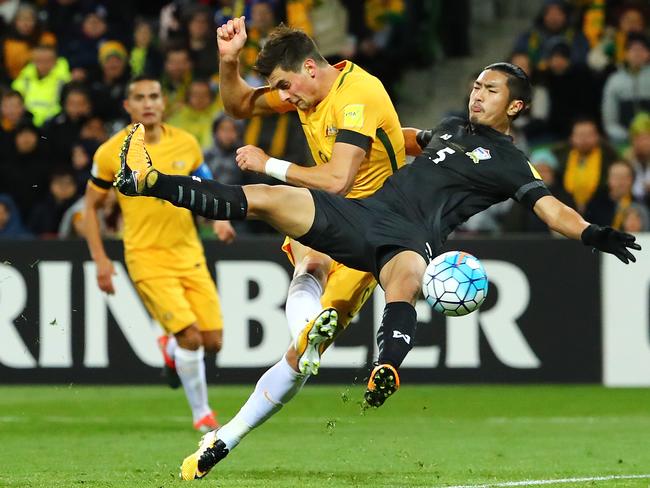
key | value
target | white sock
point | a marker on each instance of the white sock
(191, 370)
(275, 388)
(172, 344)
(303, 302)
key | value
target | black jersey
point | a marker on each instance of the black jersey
(465, 169)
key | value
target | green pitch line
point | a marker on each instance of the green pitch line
(425, 436)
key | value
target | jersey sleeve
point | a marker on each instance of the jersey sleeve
(102, 171)
(522, 182)
(356, 114)
(272, 97)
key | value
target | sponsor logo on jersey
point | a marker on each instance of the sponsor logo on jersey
(178, 164)
(353, 115)
(479, 154)
(331, 131)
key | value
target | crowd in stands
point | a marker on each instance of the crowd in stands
(65, 65)
(588, 130)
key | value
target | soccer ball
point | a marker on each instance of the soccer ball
(455, 283)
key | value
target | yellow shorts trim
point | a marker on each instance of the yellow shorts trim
(177, 302)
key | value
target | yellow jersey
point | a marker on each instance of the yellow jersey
(159, 238)
(357, 110)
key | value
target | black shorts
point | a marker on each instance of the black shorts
(362, 234)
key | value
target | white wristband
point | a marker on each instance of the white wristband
(277, 168)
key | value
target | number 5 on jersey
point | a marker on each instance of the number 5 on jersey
(442, 154)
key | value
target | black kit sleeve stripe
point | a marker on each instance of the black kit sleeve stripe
(385, 140)
(354, 138)
(529, 193)
(106, 185)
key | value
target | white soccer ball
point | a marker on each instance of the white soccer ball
(455, 283)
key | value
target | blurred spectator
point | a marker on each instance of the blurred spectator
(94, 129)
(47, 214)
(64, 19)
(8, 9)
(519, 218)
(552, 26)
(12, 112)
(257, 29)
(627, 91)
(610, 50)
(11, 225)
(145, 58)
(636, 219)
(202, 43)
(197, 116)
(176, 79)
(563, 91)
(279, 136)
(41, 81)
(24, 34)
(25, 172)
(63, 130)
(639, 155)
(229, 9)
(82, 49)
(607, 207)
(379, 32)
(109, 85)
(82, 154)
(330, 30)
(584, 162)
(227, 136)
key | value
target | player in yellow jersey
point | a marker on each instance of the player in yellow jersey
(356, 140)
(162, 250)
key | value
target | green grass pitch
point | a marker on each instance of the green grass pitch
(425, 436)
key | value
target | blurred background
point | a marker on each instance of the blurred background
(64, 66)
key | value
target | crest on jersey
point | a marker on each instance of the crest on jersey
(331, 131)
(479, 154)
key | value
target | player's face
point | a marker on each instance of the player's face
(298, 89)
(489, 100)
(145, 103)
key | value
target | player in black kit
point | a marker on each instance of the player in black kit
(464, 168)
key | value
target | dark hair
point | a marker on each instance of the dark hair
(11, 93)
(636, 38)
(136, 79)
(518, 83)
(585, 119)
(286, 49)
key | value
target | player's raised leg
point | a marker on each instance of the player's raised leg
(401, 278)
(290, 210)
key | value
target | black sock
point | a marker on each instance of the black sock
(207, 198)
(397, 333)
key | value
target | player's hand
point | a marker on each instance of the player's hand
(231, 38)
(251, 158)
(105, 273)
(224, 231)
(611, 241)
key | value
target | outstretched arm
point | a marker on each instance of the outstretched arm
(239, 98)
(568, 222)
(337, 176)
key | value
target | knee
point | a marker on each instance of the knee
(213, 344)
(189, 338)
(317, 266)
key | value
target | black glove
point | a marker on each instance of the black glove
(610, 240)
(424, 137)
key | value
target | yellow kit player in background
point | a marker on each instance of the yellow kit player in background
(356, 140)
(163, 253)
